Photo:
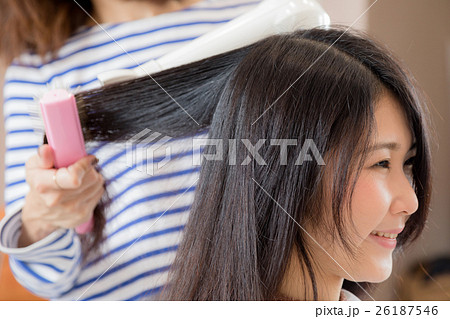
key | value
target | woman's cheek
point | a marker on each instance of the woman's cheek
(370, 203)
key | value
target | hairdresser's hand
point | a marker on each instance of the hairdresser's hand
(66, 201)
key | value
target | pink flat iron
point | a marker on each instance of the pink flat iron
(64, 135)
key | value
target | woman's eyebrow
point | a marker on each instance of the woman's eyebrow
(390, 145)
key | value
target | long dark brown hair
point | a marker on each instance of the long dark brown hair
(320, 84)
(38, 26)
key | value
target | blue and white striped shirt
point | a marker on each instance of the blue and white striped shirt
(148, 211)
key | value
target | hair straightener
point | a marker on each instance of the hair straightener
(64, 134)
(268, 18)
(58, 107)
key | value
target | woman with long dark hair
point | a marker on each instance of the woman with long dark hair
(274, 223)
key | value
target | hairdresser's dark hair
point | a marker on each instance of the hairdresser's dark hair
(321, 84)
(38, 26)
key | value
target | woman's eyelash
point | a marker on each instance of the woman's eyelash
(410, 161)
(383, 164)
(386, 163)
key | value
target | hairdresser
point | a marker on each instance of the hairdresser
(60, 44)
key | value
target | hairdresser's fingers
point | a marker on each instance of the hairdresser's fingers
(54, 181)
(77, 199)
(41, 176)
(85, 208)
(43, 158)
(92, 177)
(94, 196)
(86, 193)
(93, 190)
(92, 181)
(39, 170)
(72, 176)
(74, 212)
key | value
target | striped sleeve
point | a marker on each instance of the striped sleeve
(35, 266)
(49, 267)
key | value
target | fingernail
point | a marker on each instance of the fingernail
(40, 151)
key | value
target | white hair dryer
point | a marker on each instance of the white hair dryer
(268, 18)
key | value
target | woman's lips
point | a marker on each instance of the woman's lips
(386, 239)
(383, 241)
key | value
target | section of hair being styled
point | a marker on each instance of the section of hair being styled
(324, 84)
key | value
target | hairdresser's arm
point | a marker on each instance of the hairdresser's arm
(63, 198)
(39, 232)
(51, 264)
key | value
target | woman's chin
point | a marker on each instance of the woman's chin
(379, 268)
(380, 277)
(377, 277)
(375, 272)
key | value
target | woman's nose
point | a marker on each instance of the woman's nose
(404, 197)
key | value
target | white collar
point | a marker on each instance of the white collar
(348, 296)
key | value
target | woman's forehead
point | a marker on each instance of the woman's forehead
(392, 129)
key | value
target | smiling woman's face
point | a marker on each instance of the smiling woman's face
(382, 201)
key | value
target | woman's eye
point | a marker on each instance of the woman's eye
(410, 161)
(383, 164)
(387, 164)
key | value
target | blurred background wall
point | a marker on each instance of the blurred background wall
(418, 32)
